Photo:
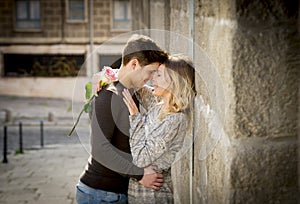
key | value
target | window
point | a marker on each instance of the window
(76, 10)
(42, 65)
(121, 10)
(28, 15)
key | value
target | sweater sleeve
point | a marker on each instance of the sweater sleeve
(103, 126)
(161, 141)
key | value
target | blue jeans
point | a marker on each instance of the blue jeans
(88, 195)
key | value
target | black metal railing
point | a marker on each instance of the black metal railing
(5, 143)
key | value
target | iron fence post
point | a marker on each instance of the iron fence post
(42, 133)
(5, 146)
(21, 137)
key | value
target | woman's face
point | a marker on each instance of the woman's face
(161, 81)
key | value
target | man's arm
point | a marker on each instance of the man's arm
(103, 126)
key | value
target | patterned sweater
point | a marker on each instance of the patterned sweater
(154, 142)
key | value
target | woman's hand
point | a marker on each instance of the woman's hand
(129, 102)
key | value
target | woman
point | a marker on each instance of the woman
(157, 135)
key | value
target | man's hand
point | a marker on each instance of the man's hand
(151, 179)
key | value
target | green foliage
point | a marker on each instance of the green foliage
(55, 67)
(88, 90)
(18, 152)
(88, 108)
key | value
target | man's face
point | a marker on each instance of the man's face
(144, 74)
(161, 81)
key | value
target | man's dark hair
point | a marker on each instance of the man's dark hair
(144, 49)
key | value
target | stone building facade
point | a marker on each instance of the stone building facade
(31, 30)
(250, 87)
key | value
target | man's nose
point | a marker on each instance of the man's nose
(151, 77)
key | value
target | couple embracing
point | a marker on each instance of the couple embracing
(136, 130)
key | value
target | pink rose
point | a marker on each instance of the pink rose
(100, 79)
(110, 74)
(106, 76)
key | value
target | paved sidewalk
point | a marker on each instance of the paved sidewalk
(31, 110)
(44, 176)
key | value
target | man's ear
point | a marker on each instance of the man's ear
(134, 63)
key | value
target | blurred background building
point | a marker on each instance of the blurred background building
(45, 44)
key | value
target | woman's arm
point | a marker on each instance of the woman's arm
(137, 127)
(161, 141)
(150, 142)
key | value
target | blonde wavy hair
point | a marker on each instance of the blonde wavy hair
(182, 74)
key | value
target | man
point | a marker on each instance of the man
(105, 179)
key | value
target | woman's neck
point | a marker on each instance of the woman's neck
(165, 100)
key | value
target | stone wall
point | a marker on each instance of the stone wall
(6, 16)
(69, 88)
(248, 83)
(52, 20)
(51, 24)
(141, 14)
(266, 76)
(55, 27)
